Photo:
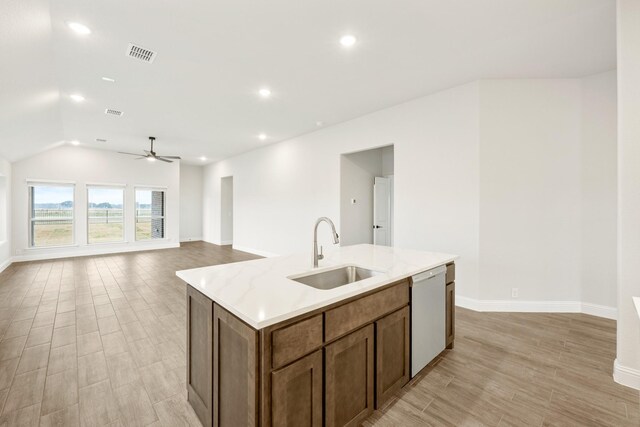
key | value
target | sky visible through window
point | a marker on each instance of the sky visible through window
(52, 195)
(143, 197)
(112, 196)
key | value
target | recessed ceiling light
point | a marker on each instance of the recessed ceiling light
(348, 40)
(203, 158)
(108, 79)
(151, 159)
(75, 142)
(79, 28)
(77, 97)
(262, 137)
(265, 92)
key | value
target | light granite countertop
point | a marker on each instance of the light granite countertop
(259, 292)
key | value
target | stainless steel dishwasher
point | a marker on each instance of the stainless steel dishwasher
(428, 317)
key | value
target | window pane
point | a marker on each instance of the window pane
(51, 216)
(106, 215)
(149, 214)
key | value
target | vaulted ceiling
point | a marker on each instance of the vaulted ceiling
(200, 95)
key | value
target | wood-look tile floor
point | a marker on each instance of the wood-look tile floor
(98, 340)
(519, 369)
(101, 341)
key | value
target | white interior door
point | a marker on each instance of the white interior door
(381, 212)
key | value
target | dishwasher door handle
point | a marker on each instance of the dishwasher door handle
(429, 274)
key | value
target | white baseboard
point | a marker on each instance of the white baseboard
(6, 264)
(93, 250)
(600, 310)
(536, 307)
(626, 376)
(218, 242)
(190, 239)
(255, 251)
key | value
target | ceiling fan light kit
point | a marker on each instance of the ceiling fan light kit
(151, 155)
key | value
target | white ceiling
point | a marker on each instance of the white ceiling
(199, 97)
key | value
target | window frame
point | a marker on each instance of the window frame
(135, 212)
(45, 183)
(121, 187)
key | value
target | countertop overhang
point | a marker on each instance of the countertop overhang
(259, 292)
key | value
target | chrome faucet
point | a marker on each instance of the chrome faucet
(336, 238)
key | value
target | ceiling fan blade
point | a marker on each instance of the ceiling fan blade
(130, 154)
(163, 159)
(172, 157)
(140, 158)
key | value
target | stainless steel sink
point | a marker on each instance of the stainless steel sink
(330, 279)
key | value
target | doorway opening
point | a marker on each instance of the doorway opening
(226, 210)
(366, 197)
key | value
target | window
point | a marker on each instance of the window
(51, 215)
(105, 214)
(150, 205)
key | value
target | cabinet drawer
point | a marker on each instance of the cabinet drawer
(451, 273)
(345, 318)
(294, 341)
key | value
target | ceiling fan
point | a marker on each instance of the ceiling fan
(151, 155)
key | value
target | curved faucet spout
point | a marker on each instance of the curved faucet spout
(336, 238)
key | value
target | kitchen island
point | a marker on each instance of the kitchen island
(265, 349)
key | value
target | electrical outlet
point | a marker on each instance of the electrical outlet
(514, 292)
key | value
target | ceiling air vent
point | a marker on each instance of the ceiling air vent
(113, 112)
(141, 53)
(101, 140)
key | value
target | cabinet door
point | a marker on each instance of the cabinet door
(392, 354)
(235, 375)
(349, 378)
(296, 393)
(451, 314)
(200, 354)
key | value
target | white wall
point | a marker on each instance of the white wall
(226, 206)
(190, 202)
(282, 189)
(357, 172)
(87, 166)
(387, 160)
(5, 214)
(599, 189)
(530, 196)
(497, 171)
(627, 367)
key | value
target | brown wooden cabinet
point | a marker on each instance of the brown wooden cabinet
(328, 367)
(450, 322)
(235, 371)
(349, 378)
(200, 354)
(450, 304)
(392, 354)
(296, 392)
